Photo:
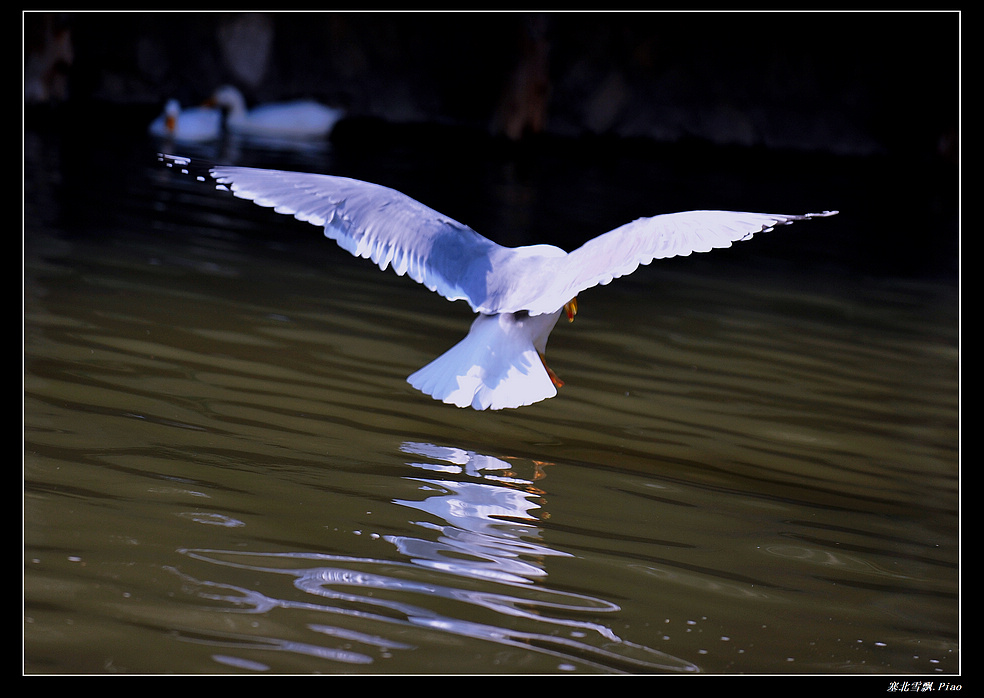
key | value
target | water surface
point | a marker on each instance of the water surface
(752, 469)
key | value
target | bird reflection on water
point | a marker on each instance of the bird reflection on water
(480, 552)
(486, 533)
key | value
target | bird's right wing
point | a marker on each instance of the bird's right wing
(373, 222)
(621, 251)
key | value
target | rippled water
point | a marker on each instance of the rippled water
(226, 472)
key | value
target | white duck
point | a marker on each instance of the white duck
(519, 293)
(190, 125)
(301, 119)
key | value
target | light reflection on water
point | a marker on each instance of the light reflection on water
(481, 538)
(225, 470)
(471, 533)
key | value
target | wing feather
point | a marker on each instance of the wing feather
(377, 223)
(621, 251)
(396, 231)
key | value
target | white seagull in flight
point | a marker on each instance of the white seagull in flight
(519, 293)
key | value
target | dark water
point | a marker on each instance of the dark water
(753, 467)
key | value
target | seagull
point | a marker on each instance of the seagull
(518, 293)
(190, 125)
(302, 118)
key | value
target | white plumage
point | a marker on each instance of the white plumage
(189, 125)
(300, 119)
(519, 293)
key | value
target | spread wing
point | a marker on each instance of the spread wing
(373, 222)
(392, 229)
(621, 251)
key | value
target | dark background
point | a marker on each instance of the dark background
(786, 111)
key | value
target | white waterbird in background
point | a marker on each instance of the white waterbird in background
(519, 293)
(302, 118)
(187, 125)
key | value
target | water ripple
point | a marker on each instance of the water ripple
(778, 460)
(376, 593)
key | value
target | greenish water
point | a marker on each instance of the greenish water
(225, 471)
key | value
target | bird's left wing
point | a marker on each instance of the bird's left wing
(621, 251)
(373, 222)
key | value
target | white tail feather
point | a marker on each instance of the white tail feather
(496, 366)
